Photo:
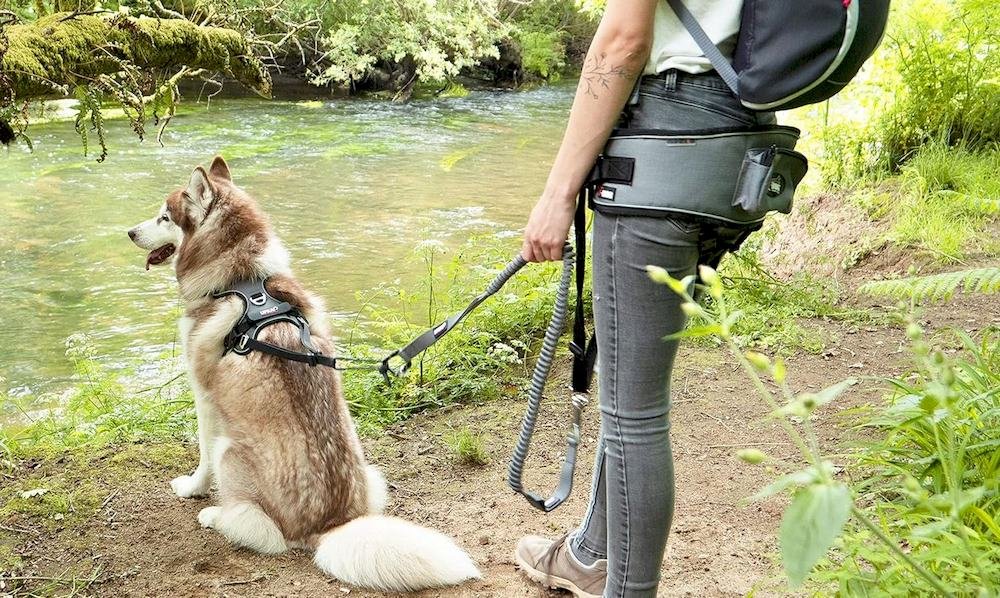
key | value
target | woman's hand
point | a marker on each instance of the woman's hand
(617, 54)
(547, 229)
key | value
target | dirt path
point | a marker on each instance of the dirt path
(147, 542)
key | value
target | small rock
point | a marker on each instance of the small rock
(484, 540)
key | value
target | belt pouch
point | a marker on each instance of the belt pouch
(735, 176)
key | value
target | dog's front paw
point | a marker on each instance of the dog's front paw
(208, 516)
(189, 486)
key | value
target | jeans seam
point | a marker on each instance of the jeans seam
(614, 399)
(581, 538)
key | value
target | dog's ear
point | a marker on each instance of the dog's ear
(220, 169)
(199, 195)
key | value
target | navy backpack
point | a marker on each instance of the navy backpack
(790, 53)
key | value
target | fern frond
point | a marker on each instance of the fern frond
(936, 287)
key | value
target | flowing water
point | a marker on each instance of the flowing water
(351, 186)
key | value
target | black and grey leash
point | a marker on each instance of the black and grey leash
(584, 356)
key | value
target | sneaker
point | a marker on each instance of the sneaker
(553, 564)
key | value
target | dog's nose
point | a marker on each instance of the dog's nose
(131, 234)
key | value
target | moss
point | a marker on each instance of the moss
(76, 483)
(56, 53)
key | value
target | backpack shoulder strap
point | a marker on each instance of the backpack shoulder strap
(722, 66)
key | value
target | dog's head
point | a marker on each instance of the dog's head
(214, 232)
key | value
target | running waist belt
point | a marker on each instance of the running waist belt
(736, 176)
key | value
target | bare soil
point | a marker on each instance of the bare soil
(143, 541)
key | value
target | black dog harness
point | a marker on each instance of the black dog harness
(260, 310)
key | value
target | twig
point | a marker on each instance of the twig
(743, 444)
(20, 530)
(109, 498)
(722, 423)
(240, 582)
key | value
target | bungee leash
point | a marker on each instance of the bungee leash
(584, 357)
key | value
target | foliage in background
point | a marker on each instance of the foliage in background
(101, 410)
(774, 310)
(936, 287)
(929, 471)
(935, 79)
(480, 360)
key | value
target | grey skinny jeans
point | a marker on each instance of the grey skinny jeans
(632, 496)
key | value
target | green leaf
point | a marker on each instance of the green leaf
(810, 525)
(798, 478)
(696, 332)
(832, 392)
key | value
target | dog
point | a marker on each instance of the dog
(275, 434)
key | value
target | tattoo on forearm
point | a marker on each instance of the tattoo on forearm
(598, 74)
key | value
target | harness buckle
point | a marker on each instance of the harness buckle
(241, 344)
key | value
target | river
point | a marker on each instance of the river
(352, 187)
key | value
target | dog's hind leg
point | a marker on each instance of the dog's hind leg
(245, 524)
(240, 518)
(377, 490)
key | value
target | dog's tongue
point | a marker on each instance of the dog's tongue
(159, 255)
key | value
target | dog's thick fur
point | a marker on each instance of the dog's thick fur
(276, 435)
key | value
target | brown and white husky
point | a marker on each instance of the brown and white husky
(275, 434)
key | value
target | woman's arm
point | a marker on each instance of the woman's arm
(614, 61)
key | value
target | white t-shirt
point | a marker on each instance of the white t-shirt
(673, 46)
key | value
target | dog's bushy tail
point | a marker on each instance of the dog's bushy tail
(389, 554)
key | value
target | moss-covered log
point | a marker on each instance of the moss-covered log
(63, 50)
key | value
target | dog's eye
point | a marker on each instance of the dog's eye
(165, 218)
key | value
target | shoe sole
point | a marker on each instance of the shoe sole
(550, 581)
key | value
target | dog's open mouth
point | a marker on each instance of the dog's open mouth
(160, 255)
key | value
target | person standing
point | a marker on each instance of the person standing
(643, 70)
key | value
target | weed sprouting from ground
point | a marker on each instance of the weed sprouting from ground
(774, 311)
(467, 447)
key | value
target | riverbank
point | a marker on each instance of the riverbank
(107, 524)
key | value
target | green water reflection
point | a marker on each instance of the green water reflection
(351, 186)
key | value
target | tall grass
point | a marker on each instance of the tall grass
(929, 472)
(922, 505)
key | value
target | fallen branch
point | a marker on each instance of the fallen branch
(57, 52)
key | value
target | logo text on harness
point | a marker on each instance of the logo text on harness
(268, 311)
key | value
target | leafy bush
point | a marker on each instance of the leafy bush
(542, 53)
(431, 41)
(922, 505)
(933, 80)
